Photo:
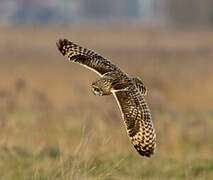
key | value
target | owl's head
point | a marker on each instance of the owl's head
(97, 91)
(103, 86)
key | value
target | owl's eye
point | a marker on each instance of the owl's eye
(97, 91)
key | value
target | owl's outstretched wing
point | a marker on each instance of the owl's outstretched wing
(85, 57)
(135, 111)
(138, 120)
(140, 86)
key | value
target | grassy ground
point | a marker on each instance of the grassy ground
(52, 127)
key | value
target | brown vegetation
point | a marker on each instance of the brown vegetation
(52, 126)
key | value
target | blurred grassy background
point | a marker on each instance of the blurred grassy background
(53, 127)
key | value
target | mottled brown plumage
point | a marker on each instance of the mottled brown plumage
(129, 93)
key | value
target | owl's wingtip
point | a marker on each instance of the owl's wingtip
(60, 45)
(147, 150)
(147, 154)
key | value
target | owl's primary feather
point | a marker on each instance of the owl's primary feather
(129, 93)
(138, 120)
(85, 57)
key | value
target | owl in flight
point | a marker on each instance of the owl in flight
(128, 92)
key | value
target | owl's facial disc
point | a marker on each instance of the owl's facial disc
(97, 91)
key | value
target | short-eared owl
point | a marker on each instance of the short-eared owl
(129, 93)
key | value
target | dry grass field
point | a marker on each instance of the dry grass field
(53, 127)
